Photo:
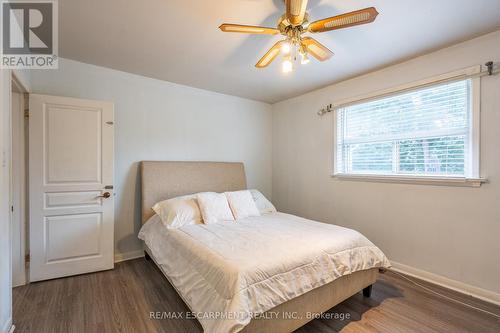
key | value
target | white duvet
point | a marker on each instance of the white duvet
(226, 272)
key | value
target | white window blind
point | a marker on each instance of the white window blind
(425, 132)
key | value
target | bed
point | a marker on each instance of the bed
(271, 273)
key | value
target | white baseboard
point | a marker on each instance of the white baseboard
(463, 288)
(119, 257)
(7, 326)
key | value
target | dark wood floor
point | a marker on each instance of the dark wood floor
(121, 301)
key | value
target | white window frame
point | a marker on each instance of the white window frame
(472, 166)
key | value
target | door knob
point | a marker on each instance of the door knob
(105, 195)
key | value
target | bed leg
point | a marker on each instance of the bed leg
(146, 256)
(367, 292)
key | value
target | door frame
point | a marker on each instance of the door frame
(18, 221)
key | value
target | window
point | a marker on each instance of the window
(425, 132)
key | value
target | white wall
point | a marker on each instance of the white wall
(452, 232)
(157, 120)
(5, 267)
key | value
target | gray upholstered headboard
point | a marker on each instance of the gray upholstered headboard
(165, 180)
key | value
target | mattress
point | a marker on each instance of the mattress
(229, 272)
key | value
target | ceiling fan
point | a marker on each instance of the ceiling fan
(293, 25)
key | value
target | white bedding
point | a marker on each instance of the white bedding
(248, 267)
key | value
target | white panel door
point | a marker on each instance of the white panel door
(71, 186)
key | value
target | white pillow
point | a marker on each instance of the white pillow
(242, 204)
(178, 212)
(214, 207)
(263, 205)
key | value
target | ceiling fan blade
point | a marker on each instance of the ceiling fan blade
(268, 58)
(248, 29)
(316, 49)
(358, 17)
(296, 11)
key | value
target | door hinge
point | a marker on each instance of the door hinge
(12, 209)
(26, 113)
(27, 258)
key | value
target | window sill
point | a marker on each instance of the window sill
(421, 180)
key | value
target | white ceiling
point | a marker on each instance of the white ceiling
(179, 40)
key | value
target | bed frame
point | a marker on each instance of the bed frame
(165, 180)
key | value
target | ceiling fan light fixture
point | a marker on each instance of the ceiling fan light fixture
(287, 65)
(304, 58)
(286, 48)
